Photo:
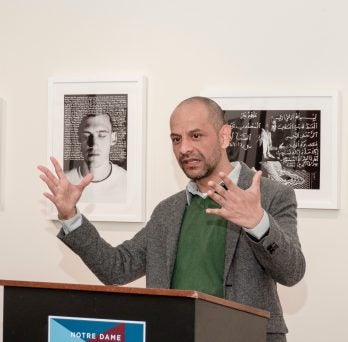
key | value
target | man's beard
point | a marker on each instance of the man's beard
(207, 169)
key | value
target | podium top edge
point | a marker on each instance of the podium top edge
(137, 291)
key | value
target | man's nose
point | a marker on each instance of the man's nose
(186, 146)
(91, 141)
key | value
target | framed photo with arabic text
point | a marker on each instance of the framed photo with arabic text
(98, 127)
(293, 139)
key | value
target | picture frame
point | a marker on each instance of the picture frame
(305, 129)
(98, 126)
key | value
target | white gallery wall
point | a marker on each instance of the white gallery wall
(184, 48)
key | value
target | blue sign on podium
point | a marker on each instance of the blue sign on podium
(76, 329)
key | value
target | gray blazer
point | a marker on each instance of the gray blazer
(252, 268)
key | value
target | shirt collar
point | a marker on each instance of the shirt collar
(192, 188)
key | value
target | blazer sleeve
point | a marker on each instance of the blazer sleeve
(279, 252)
(112, 265)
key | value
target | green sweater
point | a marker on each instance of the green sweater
(200, 256)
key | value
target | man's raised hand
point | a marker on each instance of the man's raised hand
(242, 207)
(63, 195)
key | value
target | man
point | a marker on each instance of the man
(230, 233)
(266, 139)
(109, 182)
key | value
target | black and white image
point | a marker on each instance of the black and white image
(292, 138)
(98, 127)
(95, 141)
(284, 144)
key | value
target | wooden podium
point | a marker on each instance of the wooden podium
(170, 315)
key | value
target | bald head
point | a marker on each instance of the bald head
(209, 107)
(200, 138)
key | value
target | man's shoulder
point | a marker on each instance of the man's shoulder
(178, 197)
(269, 187)
(173, 202)
(247, 174)
(118, 168)
(118, 171)
(171, 208)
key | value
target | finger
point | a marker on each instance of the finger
(217, 212)
(218, 188)
(255, 184)
(58, 168)
(227, 181)
(50, 197)
(43, 169)
(216, 197)
(49, 183)
(48, 174)
(85, 181)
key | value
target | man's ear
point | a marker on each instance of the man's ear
(225, 135)
(113, 138)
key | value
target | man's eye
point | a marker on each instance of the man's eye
(196, 136)
(102, 135)
(175, 140)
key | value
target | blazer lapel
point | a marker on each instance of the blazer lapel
(245, 176)
(174, 225)
(232, 237)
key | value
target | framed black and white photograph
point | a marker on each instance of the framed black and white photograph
(293, 139)
(98, 127)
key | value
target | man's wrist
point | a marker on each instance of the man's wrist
(72, 223)
(261, 229)
(67, 216)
